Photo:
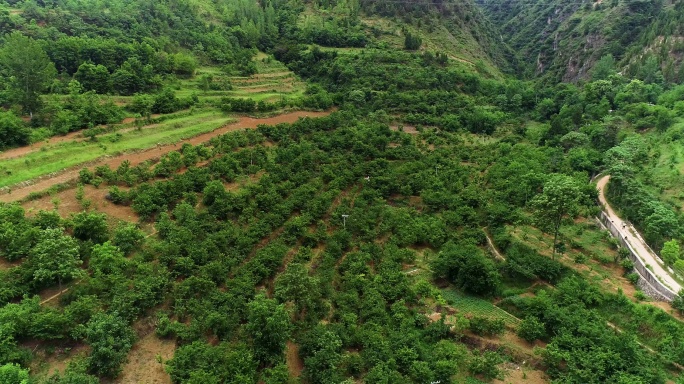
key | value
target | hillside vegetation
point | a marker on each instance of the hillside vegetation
(428, 218)
(565, 40)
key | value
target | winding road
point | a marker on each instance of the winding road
(631, 235)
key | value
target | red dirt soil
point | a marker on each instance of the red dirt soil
(67, 204)
(19, 193)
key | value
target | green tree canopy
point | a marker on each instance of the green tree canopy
(29, 68)
(560, 199)
(269, 327)
(55, 257)
(110, 339)
(670, 252)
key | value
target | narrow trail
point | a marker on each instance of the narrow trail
(58, 294)
(631, 235)
(71, 174)
(492, 247)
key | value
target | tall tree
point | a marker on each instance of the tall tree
(560, 199)
(29, 69)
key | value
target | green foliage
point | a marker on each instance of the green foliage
(17, 236)
(531, 329)
(94, 78)
(164, 102)
(29, 69)
(91, 227)
(484, 326)
(297, 286)
(13, 374)
(466, 266)
(658, 221)
(75, 373)
(559, 199)
(110, 339)
(670, 252)
(260, 210)
(13, 131)
(55, 257)
(224, 363)
(678, 302)
(127, 237)
(485, 365)
(107, 259)
(238, 105)
(412, 42)
(269, 327)
(321, 352)
(604, 68)
(79, 110)
(524, 262)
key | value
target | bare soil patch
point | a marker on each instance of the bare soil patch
(45, 365)
(20, 193)
(143, 365)
(4, 264)
(242, 182)
(295, 364)
(410, 129)
(520, 374)
(67, 204)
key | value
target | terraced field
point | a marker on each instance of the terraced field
(477, 307)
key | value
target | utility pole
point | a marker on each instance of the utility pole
(344, 221)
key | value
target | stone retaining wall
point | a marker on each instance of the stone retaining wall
(652, 285)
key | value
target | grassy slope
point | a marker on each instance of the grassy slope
(272, 83)
(461, 40)
(459, 45)
(64, 155)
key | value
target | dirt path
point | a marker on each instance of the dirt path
(492, 247)
(630, 234)
(19, 193)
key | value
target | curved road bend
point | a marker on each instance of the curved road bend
(628, 232)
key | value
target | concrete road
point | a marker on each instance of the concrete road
(629, 233)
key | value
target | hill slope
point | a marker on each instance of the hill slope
(450, 21)
(565, 39)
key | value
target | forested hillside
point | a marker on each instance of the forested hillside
(565, 40)
(333, 191)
